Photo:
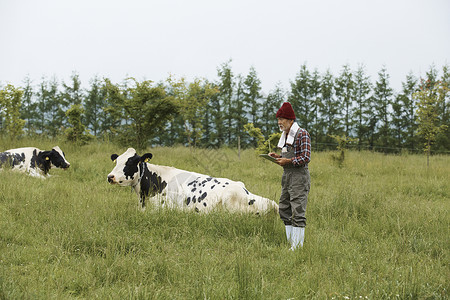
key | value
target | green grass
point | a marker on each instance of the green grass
(378, 228)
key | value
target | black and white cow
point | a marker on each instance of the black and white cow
(183, 189)
(34, 161)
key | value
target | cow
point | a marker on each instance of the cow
(177, 188)
(34, 161)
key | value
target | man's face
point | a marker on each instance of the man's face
(284, 124)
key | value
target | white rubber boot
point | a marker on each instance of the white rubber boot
(298, 236)
(289, 233)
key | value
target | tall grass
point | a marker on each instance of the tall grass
(378, 227)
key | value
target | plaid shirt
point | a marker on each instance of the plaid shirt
(302, 149)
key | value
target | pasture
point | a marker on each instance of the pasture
(377, 228)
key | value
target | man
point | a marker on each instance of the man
(295, 144)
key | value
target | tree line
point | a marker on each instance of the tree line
(206, 113)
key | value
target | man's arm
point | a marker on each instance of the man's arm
(302, 149)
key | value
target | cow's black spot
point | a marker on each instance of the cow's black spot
(3, 157)
(33, 161)
(194, 199)
(157, 183)
(145, 185)
(204, 204)
(227, 183)
(11, 159)
(223, 186)
(18, 158)
(212, 186)
(39, 160)
(192, 182)
(193, 190)
(209, 178)
(131, 166)
(153, 184)
(203, 196)
(188, 200)
(251, 202)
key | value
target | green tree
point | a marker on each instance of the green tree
(361, 111)
(329, 114)
(344, 92)
(76, 132)
(71, 94)
(273, 102)
(404, 123)
(252, 94)
(147, 109)
(49, 108)
(199, 95)
(96, 118)
(382, 101)
(256, 134)
(207, 124)
(316, 104)
(443, 137)
(10, 103)
(224, 117)
(216, 115)
(192, 99)
(239, 113)
(28, 108)
(263, 145)
(113, 117)
(175, 129)
(299, 97)
(431, 79)
(42, 106)
(427, 113)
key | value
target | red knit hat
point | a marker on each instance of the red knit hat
(286, 111)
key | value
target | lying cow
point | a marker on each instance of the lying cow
(183, 189)
(34, 161)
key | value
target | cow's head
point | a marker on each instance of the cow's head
(58, 158)
(126, 171)
(54, 158)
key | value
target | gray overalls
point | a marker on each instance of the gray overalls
(295, 184)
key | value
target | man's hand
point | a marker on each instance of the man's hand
(284, 161)
(274, 155)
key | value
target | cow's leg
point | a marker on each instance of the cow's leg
(142, 202)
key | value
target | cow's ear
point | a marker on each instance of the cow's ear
(114, 157)
(146, 157)
(46, 155)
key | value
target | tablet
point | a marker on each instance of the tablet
(268, 157)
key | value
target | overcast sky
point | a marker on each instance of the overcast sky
(150, 39)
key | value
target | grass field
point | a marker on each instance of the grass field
(378, 228)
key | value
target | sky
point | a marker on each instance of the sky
(150, 40)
